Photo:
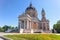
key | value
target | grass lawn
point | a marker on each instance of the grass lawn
(34, 37)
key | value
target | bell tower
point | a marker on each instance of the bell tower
(43, 15)
(44, 21)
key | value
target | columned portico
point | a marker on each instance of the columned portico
(24, 25)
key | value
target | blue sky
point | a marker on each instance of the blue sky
(10, 9)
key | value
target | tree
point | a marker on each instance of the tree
(58, 22)
(57, 26)
(5, 28)
(11, 27)
(0, 29)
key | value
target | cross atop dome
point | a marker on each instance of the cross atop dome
(43, 10)
(30, 4)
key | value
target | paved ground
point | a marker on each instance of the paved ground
(1, 34)
(1, 39)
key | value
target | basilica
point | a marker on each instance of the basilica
(28, 22)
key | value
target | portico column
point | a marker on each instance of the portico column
(20, 24)
(27, 24)
(30, 24)
(24, 24)
(21, 29)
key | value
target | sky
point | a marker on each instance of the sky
(11, 9)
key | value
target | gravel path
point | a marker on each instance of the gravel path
(1, 39)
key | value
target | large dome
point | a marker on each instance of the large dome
(30, 7)
(31, 11)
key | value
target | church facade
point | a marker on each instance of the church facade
(29, 22)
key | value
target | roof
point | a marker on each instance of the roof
(35, 19)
